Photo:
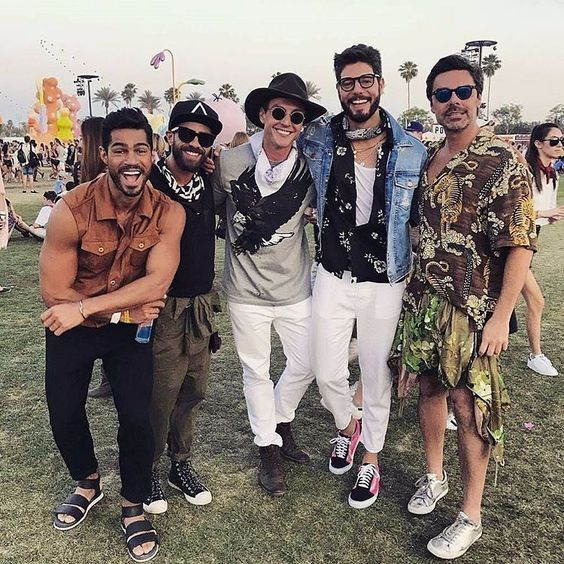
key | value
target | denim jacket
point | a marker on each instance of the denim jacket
(405, 165)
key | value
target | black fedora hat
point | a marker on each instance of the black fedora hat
(285, 85)
(197, 112)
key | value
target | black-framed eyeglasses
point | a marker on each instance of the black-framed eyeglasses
(186, 135)
(278, 113)
(443, 95)
(553, 141)
(365, 80)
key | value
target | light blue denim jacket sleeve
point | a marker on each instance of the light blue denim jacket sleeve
(405, 166)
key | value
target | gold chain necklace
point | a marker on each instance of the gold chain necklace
(358, 151)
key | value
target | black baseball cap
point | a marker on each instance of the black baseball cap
(415, 126)
(196, 111)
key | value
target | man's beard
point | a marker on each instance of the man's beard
(181, 162)
(458, 125)
(361, 118)
(126, 191)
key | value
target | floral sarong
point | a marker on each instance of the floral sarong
(438, 337)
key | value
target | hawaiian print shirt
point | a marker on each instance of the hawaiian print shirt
(479, 205)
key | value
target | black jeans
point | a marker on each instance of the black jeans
(129, 368)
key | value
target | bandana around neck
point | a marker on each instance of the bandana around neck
(549, 171)
(270, 177)
(364, 133)
(190, 192)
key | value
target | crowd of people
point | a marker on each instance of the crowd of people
(421, 254)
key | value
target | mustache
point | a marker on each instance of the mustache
(455, 108)
(359, 97)
(130, 169)
(193, 148)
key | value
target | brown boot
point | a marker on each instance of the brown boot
(289, 449)
(270, 474)
(103, 390)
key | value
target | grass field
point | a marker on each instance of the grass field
(523, 519)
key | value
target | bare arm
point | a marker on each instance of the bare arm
(495, 336)
(162, 263)
(57, 279)
(553, 214)
(58, 261)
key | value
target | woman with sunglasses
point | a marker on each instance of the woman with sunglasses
(545, 147)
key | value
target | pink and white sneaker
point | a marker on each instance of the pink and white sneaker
(366, 487)
(342, 457)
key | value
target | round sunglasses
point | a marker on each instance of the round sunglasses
(553, 141)
(186, 135)
(296, 117)
(443, 95)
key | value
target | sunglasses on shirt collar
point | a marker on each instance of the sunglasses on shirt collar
(443, 95)
(186, 135)
(553, 141)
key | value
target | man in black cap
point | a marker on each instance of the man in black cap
(415, 128)
(185, 333)
(267, 186)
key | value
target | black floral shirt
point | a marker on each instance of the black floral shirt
(346, 246)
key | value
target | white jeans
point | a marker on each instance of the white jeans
(268, 405)
(337, 303)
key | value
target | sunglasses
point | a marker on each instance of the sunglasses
(186, 135)
(296, 117)
(443, 95)
(555, 140)
(365, 81)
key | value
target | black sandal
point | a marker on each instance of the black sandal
(138, 533)
(77, 505)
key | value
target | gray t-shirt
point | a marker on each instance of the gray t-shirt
(278, 273)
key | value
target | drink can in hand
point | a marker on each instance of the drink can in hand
(144, 330)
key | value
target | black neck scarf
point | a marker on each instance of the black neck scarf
(344, 245)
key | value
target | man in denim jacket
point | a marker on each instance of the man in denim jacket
(365, 169)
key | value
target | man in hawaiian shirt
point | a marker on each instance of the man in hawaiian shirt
(477, 237)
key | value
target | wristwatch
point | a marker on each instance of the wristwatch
(115, 317)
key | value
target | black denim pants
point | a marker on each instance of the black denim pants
(129, 368)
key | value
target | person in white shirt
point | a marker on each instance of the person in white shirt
(38, 227)
(545, 147)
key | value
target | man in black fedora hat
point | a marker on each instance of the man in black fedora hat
(267, 186)
(185, 333)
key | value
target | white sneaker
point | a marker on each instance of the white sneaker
(451, 424)
(429, 491)
(541, 365)
(456, 539)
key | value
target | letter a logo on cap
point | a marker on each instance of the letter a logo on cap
(202, 109)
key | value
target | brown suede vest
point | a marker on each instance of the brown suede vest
(110, 254)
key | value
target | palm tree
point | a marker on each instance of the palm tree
(106, 96)
(312, 90)
(149, 102)
(128, 93)
(195, 96)
(408, 71)
(169, 99)
(490, 65)
(227, 91)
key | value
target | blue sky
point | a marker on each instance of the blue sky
(243, 42)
